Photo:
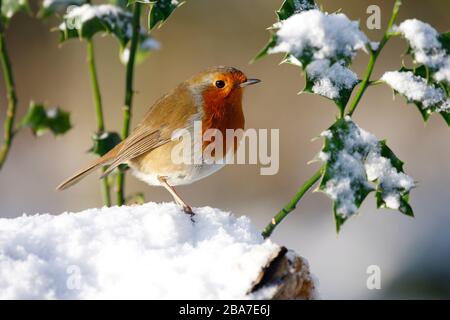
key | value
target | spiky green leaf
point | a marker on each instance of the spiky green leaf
(42, 119)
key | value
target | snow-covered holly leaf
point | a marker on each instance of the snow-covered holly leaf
(290, 7)
(104, 141)
(428, 47)
(418, 88)
(335, 82)
(49, 7)
(10, 7)
(160, 10)
(344, 179)
(42, 119)
(393, 189)
(357, 163)
(87, 20)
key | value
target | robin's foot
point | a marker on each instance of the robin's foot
(186, 208)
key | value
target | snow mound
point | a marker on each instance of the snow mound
(153, 251)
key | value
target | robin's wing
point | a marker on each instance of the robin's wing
(143, 139)
(171, 112)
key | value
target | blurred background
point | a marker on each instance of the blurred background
(413, 254)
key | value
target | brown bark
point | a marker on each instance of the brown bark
(288, 275)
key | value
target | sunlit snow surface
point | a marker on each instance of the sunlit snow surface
(153, 251)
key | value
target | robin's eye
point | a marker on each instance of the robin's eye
(220, 84)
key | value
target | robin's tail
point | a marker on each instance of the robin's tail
(75, 178)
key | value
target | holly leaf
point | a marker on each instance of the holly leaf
(334, 81)
(87, 20)
(50, 7)
(290, 7)
(42, 119)
(103, 142)
(160, 10)
(344, 178)
(357, 163)
(386, 191)
(435, 97)
(10, 7)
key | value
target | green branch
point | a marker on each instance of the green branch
(11, 97)
(129, 95)
(374, 54)
(106, 192)
(291, 205)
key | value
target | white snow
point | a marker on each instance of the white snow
(416, 89)
(427, 49)
(359, 163)
(327, 35)
(153, 251)
(330, 80)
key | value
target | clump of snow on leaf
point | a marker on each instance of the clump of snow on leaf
(152, 251)
(327, 36)
(417, 89)
(328, 80)
(393, 183)
(426, 47)
(354, 161)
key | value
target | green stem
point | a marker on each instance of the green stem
(291, 205)
(373, 59)
(129, 95)
(11, 97)
(106, 190)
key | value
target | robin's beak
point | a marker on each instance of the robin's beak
(249, 82)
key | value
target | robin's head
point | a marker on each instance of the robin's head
(219, 85)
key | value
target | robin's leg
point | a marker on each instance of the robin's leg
(186, 208)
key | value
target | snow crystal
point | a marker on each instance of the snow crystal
(357, 164)
(330, 80)
(416, 89)
(152, 251)
(427, 49)
(326, 36)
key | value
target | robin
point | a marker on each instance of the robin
(212, 97)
